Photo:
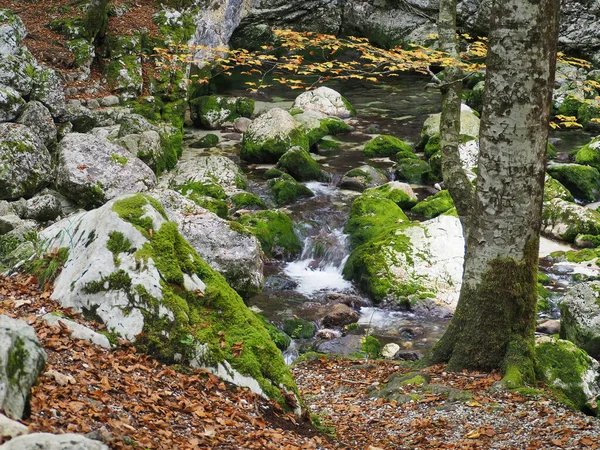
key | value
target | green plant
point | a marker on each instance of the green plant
(47, 268)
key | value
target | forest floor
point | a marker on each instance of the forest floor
(131, 401)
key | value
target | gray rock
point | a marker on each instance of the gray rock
(21, 362)
(9, 222)
(18, 71)
(37, 117)
(24, 162)
(580, 317)
(236, 254)
(91, 171)
(11, 103)
(362, 178)
(12, 32)
(241, 124)
(146, 146)
(11, 428)
(208, 168)
(326, 101)
(80, 117)
(109, 100)
(43, 208)
(469, 123)
(346, 345)
(93, 103)
(48, 90)
(47, 441)
(79, 331)
(390, 350)
(566, 220)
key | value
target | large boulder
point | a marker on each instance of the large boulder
(12, 32)
(11, 104)
(226, 246)
(363, 177)
(130, 267)
(580, 317)
(469, 124)
(570, 370)
(208, 169)
(212, 111)
(270, 135)
(406, 263)
(300, 164)
(25, 162)
(91, 171)
(582, 181)
(48, 90)
(47, 441)
(22, 359)
(37, 117)
(400, 193)
(326, 101)
(565, 220)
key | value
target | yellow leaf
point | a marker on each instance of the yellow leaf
(475, 434)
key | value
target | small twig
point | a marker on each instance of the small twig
(355, 382)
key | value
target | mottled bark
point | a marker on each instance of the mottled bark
(493, 326)
(453, 173)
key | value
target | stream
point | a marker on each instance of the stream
(308, 286)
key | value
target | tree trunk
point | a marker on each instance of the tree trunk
(494, 323)
(96, 21)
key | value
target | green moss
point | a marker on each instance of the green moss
(272, 173)
(116, 281)
(202, 189)
(336, 125)
(244, 106)
(590, 240)
(359, 173)
(299, 164)
(570, 106)
(582, 181)
(134, 210)
(587, 254)
(384, 145)
(96, 20)
(589, 154)
(370, 215)
(554, 189)
(173, 112)
(150, 109)
(219, 207)
(270, 150)
(434, 205)
(328, 144)
(176, 31)
(118, 159)
(15, 366)
(245, 200)
(349, 107)
(171, 142)
(314, 135)
(117, 243)
(274, 231)
(414, 171)
(299, 328)
(562, 365)
(551, 151)
(208, 141)
(587, 112)
(371, 347)
(286, 189)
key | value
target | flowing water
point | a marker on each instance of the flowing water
(308, 286)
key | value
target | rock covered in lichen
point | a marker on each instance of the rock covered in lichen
(48, 441)
(325, 100)
(580, 317)
(22, 360)
(300, 164)
(24, 162)
(208, 169)
(570, 370)
(130, 267)
(582, 181)
(554, 189)
(212, 111)
(469, 124)
(362, 178)
(11, 103)
(226, 246)
(400, 193)
(37, 117)
(91, 170)
(270, 135)
(565, 220)
(12, 32)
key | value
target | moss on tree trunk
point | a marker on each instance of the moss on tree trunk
(96, 21)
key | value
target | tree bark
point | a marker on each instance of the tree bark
(494, 323)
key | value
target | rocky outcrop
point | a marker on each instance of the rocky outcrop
(47, 441)
(22, 359)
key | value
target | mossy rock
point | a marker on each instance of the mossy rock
(570, 106)
(299, 328)
(414, 171)
(384, 145)
(475, 97)
(208, 141)
(253, 37)
(272, 173)
(587, 112)
(551, 151)
(212, 111)
(565, 220)
(589, 154)
(554, 189)
(275, 232)
(582, 181)
(434, 205)
(580, 312)
(286, 189)
(281, 340)
(400, 193)
(568, 370)
(370, 215)
(335, 125)
(299, 164)
(246, 200)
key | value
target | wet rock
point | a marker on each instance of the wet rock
(346, 345)
(582, 181)
(24, 162)
(353, 301)
(326, 101)
(548, 327)
(328, 334)
(280, 283)
(47, 441)
(298, 162)
(340, 315)
(411, 332)
(37, 117)
(91, 171)
(407, 355)
(298, 328)
(286, 189)
(22, 359)
(362, 178)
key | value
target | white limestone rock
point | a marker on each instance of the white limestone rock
(326, 101)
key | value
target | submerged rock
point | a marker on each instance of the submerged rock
(22, 360)
(130, 267)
